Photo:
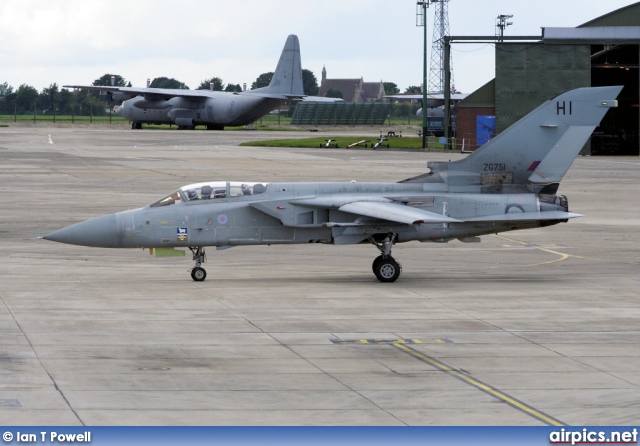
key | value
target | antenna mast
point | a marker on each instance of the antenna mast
(440, 29)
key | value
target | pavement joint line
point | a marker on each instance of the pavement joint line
(486, 388)
(391, 341)
(123, 332)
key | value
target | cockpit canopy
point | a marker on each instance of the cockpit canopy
(210, 191)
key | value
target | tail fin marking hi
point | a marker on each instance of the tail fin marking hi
(541, 147)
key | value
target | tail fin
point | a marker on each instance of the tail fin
(287, 79)
(537, 150)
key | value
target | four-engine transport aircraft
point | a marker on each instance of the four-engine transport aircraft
(509, 183)
(215, 109)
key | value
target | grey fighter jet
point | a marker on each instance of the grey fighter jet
(215, 109)
(510, 183)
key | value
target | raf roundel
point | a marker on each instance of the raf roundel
(222, 219)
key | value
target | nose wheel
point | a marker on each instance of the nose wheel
(198, 273)
(385, 267)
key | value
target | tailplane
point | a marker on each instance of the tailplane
(536, 151)
(287, 79)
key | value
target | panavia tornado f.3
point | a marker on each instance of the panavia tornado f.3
(510, 183)
(215, 109)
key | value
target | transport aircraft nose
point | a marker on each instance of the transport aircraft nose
(102, 232)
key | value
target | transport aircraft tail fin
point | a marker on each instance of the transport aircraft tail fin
(287, 79)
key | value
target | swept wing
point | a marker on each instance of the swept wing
(396, 212)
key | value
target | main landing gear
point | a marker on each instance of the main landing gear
(384, 266)
(198, 273)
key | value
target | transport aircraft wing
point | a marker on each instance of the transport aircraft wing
(286, 82)
(129, 92)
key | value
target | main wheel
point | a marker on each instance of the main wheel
(386, 270)
(198, 274)
(375, 263)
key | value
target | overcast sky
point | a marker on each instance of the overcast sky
(77, 41)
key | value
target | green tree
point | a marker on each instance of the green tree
(309, 83)
(48, 98)
(334, 93)
(413, 89)
(218, 84)
(6, 97)
(106, 80)
(92, 105)
(5, 89)
(78, 102)
(390, 88)
(403, 109)
(263, 80)
(65, 99)
(26, 96)
(233, 88)
(165, 82)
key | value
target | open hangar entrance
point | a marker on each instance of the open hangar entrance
(619, 132)
(527, 74)
(602, 52)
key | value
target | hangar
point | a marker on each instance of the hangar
(603, 51)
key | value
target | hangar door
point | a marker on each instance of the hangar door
(618, 133)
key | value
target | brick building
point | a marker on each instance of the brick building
(352, 89)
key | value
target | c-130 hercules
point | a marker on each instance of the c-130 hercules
(215, 109)
(510, 183)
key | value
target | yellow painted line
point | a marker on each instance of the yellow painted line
(563, 256)
(513, 402)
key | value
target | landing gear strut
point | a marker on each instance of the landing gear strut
(384, 266)
(198, 273)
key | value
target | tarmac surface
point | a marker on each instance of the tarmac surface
(537, 327)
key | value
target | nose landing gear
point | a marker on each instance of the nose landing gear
(385, 267)
(198, 273)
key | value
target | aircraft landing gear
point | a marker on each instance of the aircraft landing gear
(385, 267)
(198, 273)
(136, 125)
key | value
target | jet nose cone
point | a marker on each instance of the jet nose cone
(102, 232)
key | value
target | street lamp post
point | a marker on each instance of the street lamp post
(421, 11)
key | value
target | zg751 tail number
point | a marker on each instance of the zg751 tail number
(495, 167)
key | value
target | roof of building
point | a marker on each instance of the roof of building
(482, 97)
(372, 90)
(353, 90)
(348, 87)
(592, 34)
(625, 16)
